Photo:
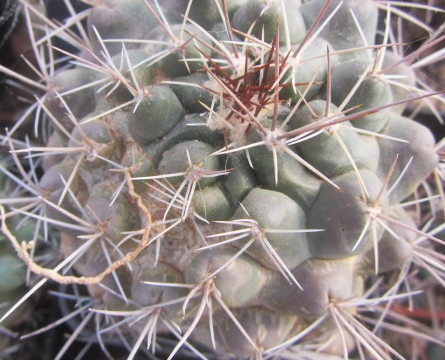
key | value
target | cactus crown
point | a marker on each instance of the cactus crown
(233, 173)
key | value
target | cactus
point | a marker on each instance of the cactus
(12, 269)
(234, 173)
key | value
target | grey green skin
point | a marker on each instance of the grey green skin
(263, 16)
(13, 271)
(343, 30)
(299, 243)
(371, 93)
(13, 286)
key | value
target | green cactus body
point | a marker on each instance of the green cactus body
(239, 185)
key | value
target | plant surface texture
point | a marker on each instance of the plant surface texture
(227, 179)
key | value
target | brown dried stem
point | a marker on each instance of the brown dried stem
(23, 248)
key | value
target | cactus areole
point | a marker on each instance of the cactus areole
(231, 174)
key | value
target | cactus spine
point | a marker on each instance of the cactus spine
(234, 173)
